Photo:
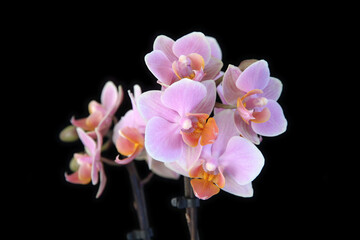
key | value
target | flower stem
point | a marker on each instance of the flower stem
(139, 197)
(110, 162)
(191, 212)
(226, 106)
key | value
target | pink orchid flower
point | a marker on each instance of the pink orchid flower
(101, 114)
(177, 119)
(193, 56)
(128, 138)
(89, 163)
(231, 163)
(255, 95)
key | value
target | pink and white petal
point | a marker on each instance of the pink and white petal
(159, 65)
(212, 69)
(82, 158)
(150, 105)
(189, 156)
(103, 181)
(175, 166)
(227, 129)
(84, 172)
(183, 96)
(273, 89)
(256, 76)
(204, 189)
(194, 42)
(207, 103)
(230, 90)
(160, 169)
(241, 161)
(89, 143)
(163, 140)
(96, 164)
(165, 44)
(74, 178)
(215, 47)
(81, 123)
(245, 129)
(111, 96)
(231, 186)
(277, 123)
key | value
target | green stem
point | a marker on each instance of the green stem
(225, 106)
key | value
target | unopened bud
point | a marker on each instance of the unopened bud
(245, 63)
(69, 134)
(74, 166)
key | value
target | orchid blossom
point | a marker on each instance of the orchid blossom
(255, 95)
(176, 119)
(193, 56)
(128, 138)
(89, 164)
(101, 114)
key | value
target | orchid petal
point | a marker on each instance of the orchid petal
(215, 47)
(81, 123)
(212, 68)
(183, 96)
(160, 66)
(231, 186)
(256, 76)
(204, 189)
(207, 103)
(103, 181)
(245, 129)
(150, 105)
(189, 156)
(241, 160)
(161, 170)
(82, 158)
(85, 172)
(110, 96)
(195, 42)
(74, 178)
(96, 158)
(276, 124)
(227, 129)
(88, 142)
(165, 44)
(163, 140)
(230, 91)
(273, 89)
(209, 133)
(261, 117)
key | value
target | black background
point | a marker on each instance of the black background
(70, 54)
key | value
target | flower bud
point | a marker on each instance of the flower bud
(74, 166)
(245, 63)
(69, 134)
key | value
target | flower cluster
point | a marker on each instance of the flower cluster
(180, 129)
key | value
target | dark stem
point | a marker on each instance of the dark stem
(139, 197)
(191, 212)
(110, 162)
(225, 106)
